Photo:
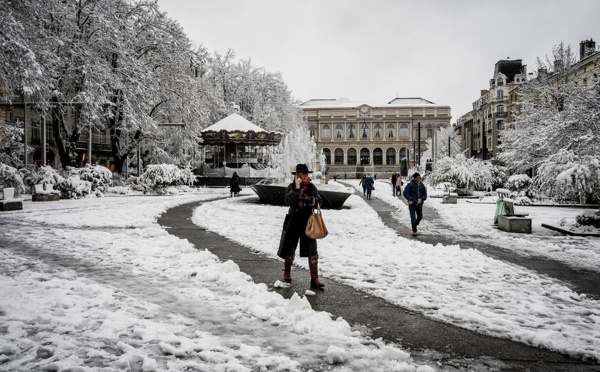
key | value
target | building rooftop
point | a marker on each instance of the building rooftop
(509, 68)
(348, 104)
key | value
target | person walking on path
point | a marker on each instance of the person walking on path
(399, 185)
(416, 193)
(362, 183)
(394, 178)
(369, 185)
(234, 185)
(302, 196)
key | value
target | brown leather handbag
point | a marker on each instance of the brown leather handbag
(315, 228)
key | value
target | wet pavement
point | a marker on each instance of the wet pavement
(453, 347)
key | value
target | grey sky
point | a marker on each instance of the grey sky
(442, 50)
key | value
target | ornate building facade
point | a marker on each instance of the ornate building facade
(358, 136)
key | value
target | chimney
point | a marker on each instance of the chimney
(542, 73)
(558, 65)
(586, 48)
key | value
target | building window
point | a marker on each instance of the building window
(351, 131)
(500, 109)
(500, 93)
(351, 157)
(312, 133)
(327, 155)
(326, 132)
(364, 131)
(377, 157)
(429, 133)
(339, 157)
(404, 132)
(339, 132)
(377, 131)
(390, 157)
(500, 82)
(500, 124)
(365, 157)
(403, 153)
(391, 131)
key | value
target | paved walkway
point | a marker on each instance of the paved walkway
(581, 281)
(456, 348)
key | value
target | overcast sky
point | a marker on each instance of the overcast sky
(443, 51)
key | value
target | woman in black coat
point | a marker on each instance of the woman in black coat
(234, 185)
(302, 196)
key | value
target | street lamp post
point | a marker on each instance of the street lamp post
(419, 139)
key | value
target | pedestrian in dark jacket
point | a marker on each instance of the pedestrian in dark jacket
(362, 183)
(369, 185)
(416, 193)
(394, 177)
(234, 185)
(302, 196)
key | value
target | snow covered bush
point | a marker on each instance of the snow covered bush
(100, 177)
(74, 188)
(499, 176)
(518, 183)
(589, 219)
(10, 177)
(465, 173)
(11, 144)
(159, 176)
(567, 176)
(33, 175)
(523, 200)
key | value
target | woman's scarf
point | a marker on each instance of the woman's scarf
(303, 188)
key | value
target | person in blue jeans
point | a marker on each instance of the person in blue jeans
(369, 185)
(416, 193)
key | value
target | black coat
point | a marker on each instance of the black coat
(295, 222)
(234, 183)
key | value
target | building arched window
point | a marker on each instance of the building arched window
(500, 93)
(377, 157)
(390, 156)
(351, 157)
(429, 132)
(377, 131)
(404, 132)
(326, 132)
(351, 131)
(339, 132)
(390, 131)
(500, 109)
(327, 155)
(339, 157)
(365, 157)
(364, 131)
(404, 153)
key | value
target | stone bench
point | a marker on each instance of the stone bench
(45, 192)
(8, 202)
(513, 222)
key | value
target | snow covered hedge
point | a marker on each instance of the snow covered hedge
(159, 176)
(33, 175)
(465, 173)
(10, 177)
(100, 177)
(74, 188)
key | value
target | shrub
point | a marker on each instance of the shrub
(589, 219)
(10, 177)
(33, 175)
(159, 176)
(74, 188)
(100, 177)
(518, 183)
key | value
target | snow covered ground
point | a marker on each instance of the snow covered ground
(97, 285)
(458, 286)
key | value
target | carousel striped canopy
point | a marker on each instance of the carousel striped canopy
(236, 129)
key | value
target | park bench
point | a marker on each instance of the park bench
(449, 198)
(45, 192)
(510, 221)
(8, 202)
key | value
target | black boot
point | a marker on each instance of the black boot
(313, 265)
(287, 269)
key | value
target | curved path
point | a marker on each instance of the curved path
(456, 348)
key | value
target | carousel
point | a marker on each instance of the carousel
(235, 144)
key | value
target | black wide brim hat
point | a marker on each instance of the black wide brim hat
(301, 168)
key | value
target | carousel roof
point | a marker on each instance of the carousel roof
(234, 122)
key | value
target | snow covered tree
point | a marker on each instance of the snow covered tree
(443, 134)
(465, 173)
(11, 144)
(556, 131)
